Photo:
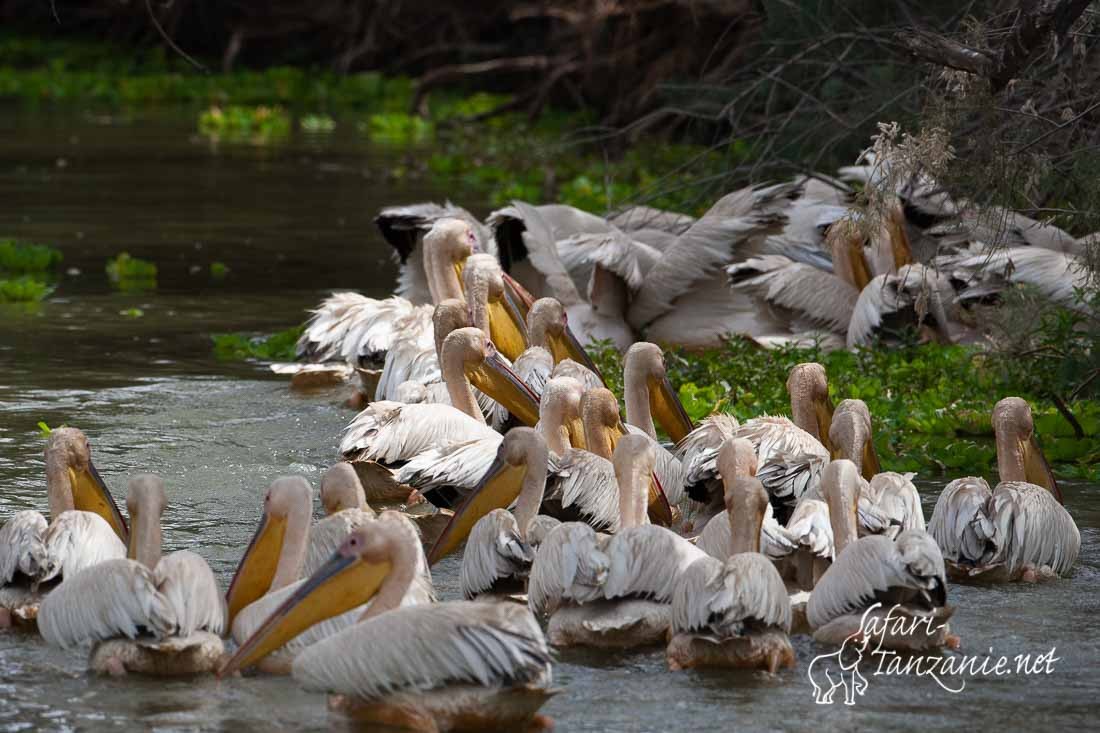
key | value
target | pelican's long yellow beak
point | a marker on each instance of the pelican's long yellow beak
(257, 569)
(90, 494)
(823, 410)
(506, 328)
(667, 409)
(341, 584)
(498, 488)
(518, 296)
(659, 510)
(1036, 469)
(871, 465)
(496, 379)
(566, 346)
(575, 428)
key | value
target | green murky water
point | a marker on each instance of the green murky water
(291, 223)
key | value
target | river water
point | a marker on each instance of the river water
(293, 222)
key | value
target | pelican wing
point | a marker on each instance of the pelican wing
(1037, 531)
(392, 432)
(645, 562)
(722, 598)
(1055, 274)
(78, 540)
(812, 294)
(878, 567)
(961, 523)
(646, 217)
(569, 566)
(326, 536)
(411, 355)
(541, 250)
(188, 584)
(112, 599)
(22, 549)
(585, 482)
(459, 465)
(698, 453)
(494, 552)
(428, 648)
(896, 497)
(809, 526)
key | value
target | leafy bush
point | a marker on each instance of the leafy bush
(270, 347)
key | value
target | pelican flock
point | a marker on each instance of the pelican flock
(489, 434)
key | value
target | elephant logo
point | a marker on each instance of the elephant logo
(839, 669)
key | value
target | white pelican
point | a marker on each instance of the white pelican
(490, 309)
(85, 528)
(460, 665)
(499, 552)
(391, 433)
(145, 614)
(784, 449)
(644, 560)
(717, 539)
(548, 328)
(1017, 531)
(1059, 276)
(357, 329)
(903, 577)
(649, 395)
(733, 613)
(286, 549)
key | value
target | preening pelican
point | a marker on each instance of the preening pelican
(145, 614)
(785, 450)
(717, 537)
(85, 528)
(498, 552)
(878, 579)
(461, 665)
(391, 432)
(1018, 531)
(276, 560)
(734, 613)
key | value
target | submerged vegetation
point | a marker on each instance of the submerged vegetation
(26, 271)
(131, 274)
(270, 347)
(931, 404)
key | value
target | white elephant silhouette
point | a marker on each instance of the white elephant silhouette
(846, 673)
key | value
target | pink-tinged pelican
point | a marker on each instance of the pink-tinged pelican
(285, 549)
(462, 665)
(145, 614)
(898, 584)
(1017, 531)
(734, 613)
(391, 432)
(615, 592)
(85, 528)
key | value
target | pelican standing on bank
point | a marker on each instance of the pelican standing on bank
(146, 614)
(462, 665)
(1017, 531)
(85, 528)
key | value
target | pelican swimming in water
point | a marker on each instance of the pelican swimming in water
(286, 549)
(145, 614)
(1017, 531)
(878, 579)
(390, 433)
(461, 665)
(784, 448)
(85, 528)
(733, 613)
(614, 592)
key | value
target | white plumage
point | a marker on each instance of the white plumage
(776, 542)
(723, 599)
(391, 432)
(570, 567)
(77, 540)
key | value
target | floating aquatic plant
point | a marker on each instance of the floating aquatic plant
(131, 274)
(24, 289)
(278, 346)
(19, 258)
(261, 124)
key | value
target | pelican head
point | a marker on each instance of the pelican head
(548, 327)
(341, 489)
(449, 315)
(517, 475)
(472, 352)
(633, 460)
(73, 482)
(811, 408)
(447, 245)
(646, 379)
(840, 483)
(356, 573)
(275, 555)
(850, 437)
(736, 459)
(1019, 457)
(845, 241)
(602, 424)
(560, 414)
(146, 501)
(488, 307)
